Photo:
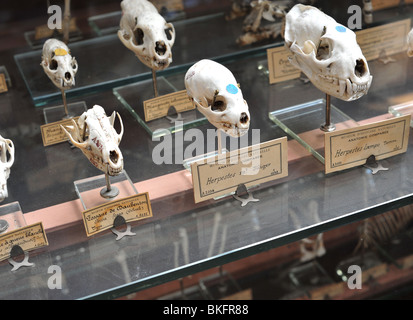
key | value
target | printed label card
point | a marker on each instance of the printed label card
(222, 174)
(352, 147)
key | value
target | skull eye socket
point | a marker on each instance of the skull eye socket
(168, 33)
(360, 69)
(53, 65)
(323, 51)
(138, 39)
(218, 106)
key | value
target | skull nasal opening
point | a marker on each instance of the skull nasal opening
(244, 118)
(160, 48)
(114, 157)
(360, 69)
(68, 76)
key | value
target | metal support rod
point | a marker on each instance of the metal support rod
(328, 110)
(328, 126)
(155, 85)
(108, 186)
(64, 102)
(66, 22)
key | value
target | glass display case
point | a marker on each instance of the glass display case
(182, 237)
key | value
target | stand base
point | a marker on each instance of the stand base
(11, 217)
(93, 192)
(402, 110)
(133, 95)
(301, 122)
(111, 193)
(57, 113)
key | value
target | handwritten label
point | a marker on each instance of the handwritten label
(158, 107)
(3, 83)
(351, 147)
(222, 174)
(52, 133)
(385, 40)
(131, 208)
(279, 67)
(28, 238)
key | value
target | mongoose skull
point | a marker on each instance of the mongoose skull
(327, 52)
(95, 135)
(144, 31)
(58, 64)
(218, 97)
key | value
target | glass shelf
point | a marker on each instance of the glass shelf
(100, 71)
(183, 238)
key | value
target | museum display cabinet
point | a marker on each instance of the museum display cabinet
(301, 231)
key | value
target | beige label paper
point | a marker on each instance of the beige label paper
(28, 238)
(384, 4)
(3, 83)
(222, 174)
(384, 40)
(158, 107)
(52, 133)
(131, 208)
(279, 67)
(44, 31)
(351, 147)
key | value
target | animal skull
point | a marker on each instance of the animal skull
(410, 43)
(6, 146)
(327, 53)
(95, 135)
(144, 31)
(58, 64)
(215, 92)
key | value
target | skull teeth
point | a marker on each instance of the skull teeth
(345, 86)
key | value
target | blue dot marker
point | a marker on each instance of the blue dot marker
(232, 89)
(341, 29)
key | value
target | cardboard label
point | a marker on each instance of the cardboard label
(3, 83)
(28, 238)
(279, 67)
(133, 208)
(52, 133)
(222, 174)
(351, 147)
(384, 4)
(383, 40)
(44, 31)
(158, 107)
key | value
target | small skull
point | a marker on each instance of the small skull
(58, 64)
(6, 146)
(145, 32)
(327, 52)
(95, 135)
(218, 97)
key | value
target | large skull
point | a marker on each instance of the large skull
(6, 146)
(327, 53)
(95, 135)
(58, 64)
(144, 31)
(215, 92)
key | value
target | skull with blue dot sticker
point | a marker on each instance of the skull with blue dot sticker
(327, 53)
(218, 97)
